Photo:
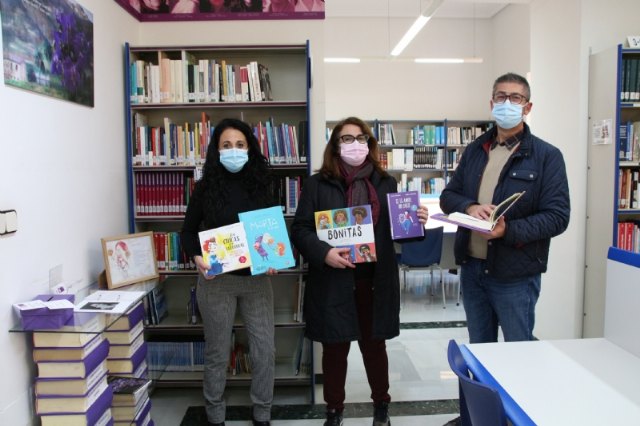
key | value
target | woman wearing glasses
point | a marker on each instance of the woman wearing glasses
(346, 301)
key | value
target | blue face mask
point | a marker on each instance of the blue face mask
(507, 115)
(234, 159)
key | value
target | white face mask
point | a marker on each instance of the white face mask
(354, 153)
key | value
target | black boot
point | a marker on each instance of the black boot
(381, 414)
(334, 418)
(261, 423)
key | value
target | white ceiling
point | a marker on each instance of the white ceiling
(411, 8)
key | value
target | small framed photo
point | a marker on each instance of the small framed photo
(129, 259)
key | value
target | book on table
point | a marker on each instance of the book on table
(476, 224)
(66, 386)
(109, 301)
(127, 365)
(348, 227)
(128, 320)
(403, 215)
(75, 368)
(117, 350)
(267, 235)
(124, 337)
(225, 248)
(143, 418)
(128, 390)
(49, 404)
(98, 414)
(130, 412)
(62, 353)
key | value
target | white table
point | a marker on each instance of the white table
(561, 382)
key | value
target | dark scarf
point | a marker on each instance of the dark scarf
(359, 188)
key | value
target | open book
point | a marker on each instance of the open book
(481, 225)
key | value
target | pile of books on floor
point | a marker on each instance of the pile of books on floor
(131, 404)
(71, 387)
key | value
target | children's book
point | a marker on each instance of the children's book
(267, 234)
(225, 248)
(480, 225)
(403, 214)
(348, 227)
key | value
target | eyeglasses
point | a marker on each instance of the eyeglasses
(348, 139)
(514, 98)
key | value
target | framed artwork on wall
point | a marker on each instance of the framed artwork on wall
(54, 56)
(129, 259)
(219, 10)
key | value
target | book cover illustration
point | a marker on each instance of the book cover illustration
(480, 225)
(403, 215)
(349, 227)
(225, 248)
(267, 233)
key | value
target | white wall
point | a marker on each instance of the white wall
(63, 170)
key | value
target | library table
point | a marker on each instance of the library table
(561, 382)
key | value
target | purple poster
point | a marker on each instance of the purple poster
(48, 48)
(209, 10)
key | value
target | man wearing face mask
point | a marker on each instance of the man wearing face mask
(235, 179)
(344, 301)
(501, 271)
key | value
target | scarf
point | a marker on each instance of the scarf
(359, 188)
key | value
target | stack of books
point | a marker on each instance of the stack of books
(71, 387)
(131, 404)
(128, 351)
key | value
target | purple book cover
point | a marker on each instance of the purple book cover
(96, 410)
(403, 214)
(91, 361)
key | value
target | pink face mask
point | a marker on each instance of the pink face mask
(354, 153)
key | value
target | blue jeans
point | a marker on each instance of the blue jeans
(489, 302)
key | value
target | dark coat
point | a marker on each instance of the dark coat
(329, 303)
(537, 167)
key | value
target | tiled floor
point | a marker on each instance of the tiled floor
(418, 367)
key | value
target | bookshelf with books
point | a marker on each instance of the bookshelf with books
(175, 96)
(422, 154)
(613, 160)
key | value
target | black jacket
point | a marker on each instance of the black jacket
(329, 304)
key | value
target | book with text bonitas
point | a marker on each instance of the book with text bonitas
(348, 227)
(267, 233)
(403, 214)
(225, 248)
(480, 225)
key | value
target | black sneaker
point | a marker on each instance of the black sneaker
(334, 418)
(261, 423)
(381, 414)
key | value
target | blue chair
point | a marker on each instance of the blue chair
(480, 404)
(423, 255)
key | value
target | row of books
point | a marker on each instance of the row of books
(155, 306)
(72, 386)
(630, 79)
(418, 157)
(161, 193)
(629, 236)
(283, 143)
(628, 197)
(186, 144)
(187, 79)
(170, 144)
(422, 185)
(629, 147)
(176, 356)
(170, 255)
(464, 135)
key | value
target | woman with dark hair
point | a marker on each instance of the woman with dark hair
(235, 179)
(343, 301)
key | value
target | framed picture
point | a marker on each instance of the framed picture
(129, 259)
